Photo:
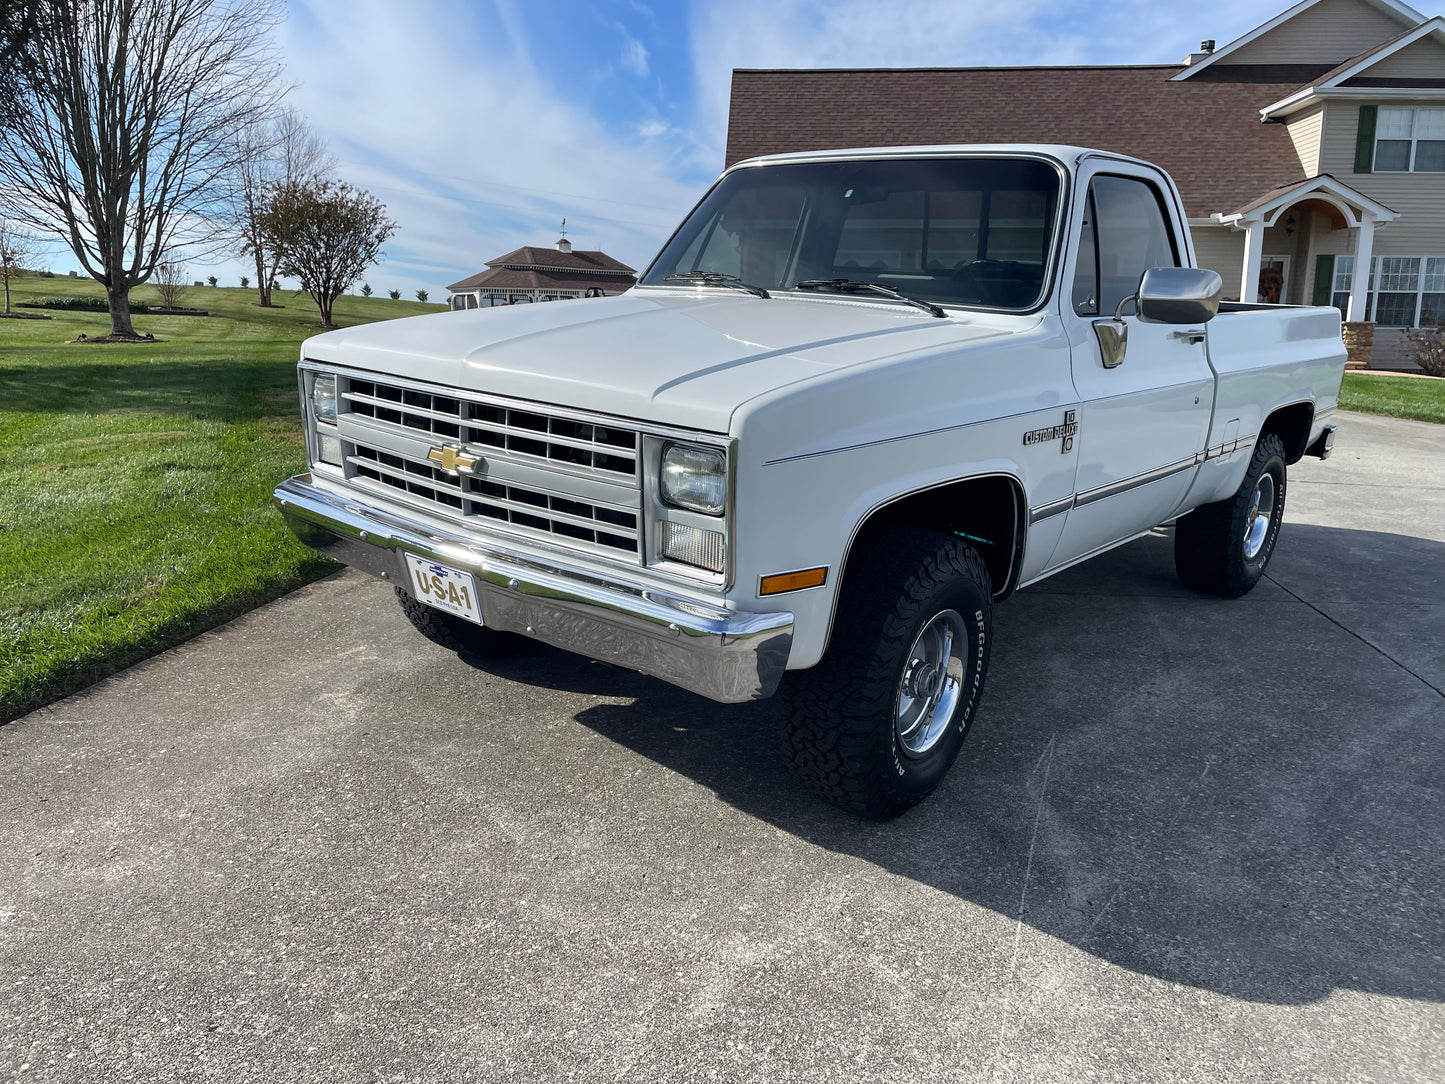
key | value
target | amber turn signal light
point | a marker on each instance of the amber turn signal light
(792, 581)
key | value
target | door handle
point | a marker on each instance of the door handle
(1191, 337)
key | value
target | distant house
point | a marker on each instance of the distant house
(1308, 151)
(542, 274)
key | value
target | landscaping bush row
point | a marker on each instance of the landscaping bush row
(80, 304)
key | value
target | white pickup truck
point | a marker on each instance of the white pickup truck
(860, 398)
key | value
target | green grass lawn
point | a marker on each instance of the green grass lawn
(135, 479)
(1420, 398)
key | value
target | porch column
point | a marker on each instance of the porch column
(1253, 250)
(1364, 249)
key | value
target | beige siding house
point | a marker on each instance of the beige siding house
(1310, 147)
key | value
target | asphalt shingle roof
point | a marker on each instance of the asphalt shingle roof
(1206, 133)
(550, 269)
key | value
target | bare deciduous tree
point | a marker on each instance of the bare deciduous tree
(169, 280)
(16, 246)
(124, 122)
(326, 234)
(271, 152)
(21, 24)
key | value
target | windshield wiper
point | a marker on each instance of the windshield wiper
(848, 286)
(717, 278)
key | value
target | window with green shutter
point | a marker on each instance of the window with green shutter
(1365, 139)
(1324, 279)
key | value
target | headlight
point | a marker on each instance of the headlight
(694, 478)
(323, 413)
(323, 398)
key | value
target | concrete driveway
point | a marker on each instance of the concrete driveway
(1189, 840)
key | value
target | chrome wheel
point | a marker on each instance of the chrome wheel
(1261, 514)
(932, 683)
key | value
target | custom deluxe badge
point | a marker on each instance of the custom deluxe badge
(1055, 432)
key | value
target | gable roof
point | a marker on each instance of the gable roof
(1358, 65)
(1226, 159)
(516, 278)
(1407, 16)
(1342, 76)
(1351, 201)
(576, 260)
(533, 267)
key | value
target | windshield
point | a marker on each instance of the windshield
(958, 231)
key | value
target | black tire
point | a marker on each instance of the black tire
(840, 719)
(458, 634)
(1211, 543)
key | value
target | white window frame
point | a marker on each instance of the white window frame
(1372, 295)
(1344, 279)
(1414, 112)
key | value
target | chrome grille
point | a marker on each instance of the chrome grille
(608, 451)
(573, 482)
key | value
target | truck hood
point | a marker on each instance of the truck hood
(684, 358)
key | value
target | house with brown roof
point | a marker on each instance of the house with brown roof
(542, 274)
(1306, 150)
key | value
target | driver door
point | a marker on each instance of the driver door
(1142, 422)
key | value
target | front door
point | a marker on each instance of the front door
(1273, 280)
(1141, 423)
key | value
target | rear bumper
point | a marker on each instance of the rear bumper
(1323, 444)
(727, 656)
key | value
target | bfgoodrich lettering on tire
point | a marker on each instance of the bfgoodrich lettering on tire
(876, 725)
(1224, 548)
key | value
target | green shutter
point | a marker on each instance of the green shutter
(1324, 279)
(1365, 139)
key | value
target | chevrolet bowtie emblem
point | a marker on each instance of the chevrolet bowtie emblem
(451, 459)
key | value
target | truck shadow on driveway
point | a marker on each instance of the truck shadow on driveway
(1241, 796)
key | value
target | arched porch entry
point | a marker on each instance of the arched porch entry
(1287, 231)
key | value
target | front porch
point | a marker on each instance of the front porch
(1300, 245)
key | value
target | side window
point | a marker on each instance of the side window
(1131, 235)
(1086, 272)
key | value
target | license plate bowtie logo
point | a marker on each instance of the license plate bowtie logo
(452, 459)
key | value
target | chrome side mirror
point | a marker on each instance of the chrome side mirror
(1179, 295)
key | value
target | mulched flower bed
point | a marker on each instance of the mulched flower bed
(88, 339)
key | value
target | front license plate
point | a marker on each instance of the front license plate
(445, 588)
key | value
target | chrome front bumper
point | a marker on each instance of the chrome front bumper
(730, 657)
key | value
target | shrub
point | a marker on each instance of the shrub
(1428, 344)
(245, 282)
(421, 295)
(80, 304)
(169, 279)
(366, 289)
(395, 295)
(211, 279)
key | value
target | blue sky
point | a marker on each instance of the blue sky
(481, 125)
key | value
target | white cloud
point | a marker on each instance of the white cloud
(445, 114)
(444, 117)
(634, 53)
